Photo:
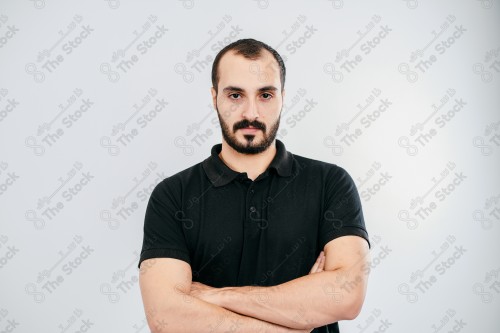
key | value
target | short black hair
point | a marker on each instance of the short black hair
(250, 49)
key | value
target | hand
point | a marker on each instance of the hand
(319, 265)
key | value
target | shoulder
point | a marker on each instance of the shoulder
(332, 179)
(179, 180)
(328, 171)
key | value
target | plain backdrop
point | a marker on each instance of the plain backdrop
(101, 100)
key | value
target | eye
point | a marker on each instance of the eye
(232, 96)
(267, 96)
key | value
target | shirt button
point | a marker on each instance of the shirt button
(253, 209)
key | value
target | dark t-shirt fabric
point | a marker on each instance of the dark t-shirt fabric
(237, 232)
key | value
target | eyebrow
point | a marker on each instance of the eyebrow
(238, 89)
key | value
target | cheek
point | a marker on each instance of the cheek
(228, 109)
(272, 109)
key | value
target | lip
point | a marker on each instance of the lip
(250, 129)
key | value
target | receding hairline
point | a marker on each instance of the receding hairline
(275, 67)
(251, 49)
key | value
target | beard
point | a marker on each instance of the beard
(250, 147)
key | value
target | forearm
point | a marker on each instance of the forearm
(188, 314)
(306, 302)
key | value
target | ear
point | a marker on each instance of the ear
(283, 94)
(214, 97)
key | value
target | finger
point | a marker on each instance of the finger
(315, 266)
(321, 265)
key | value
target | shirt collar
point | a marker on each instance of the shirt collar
(220, 174)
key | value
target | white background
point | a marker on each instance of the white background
(78, 158)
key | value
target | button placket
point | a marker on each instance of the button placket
(249, 245)
(252, 208)
(250, 202)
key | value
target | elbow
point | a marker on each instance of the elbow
(161, 326)
(153, 329)
(162, 321)
(345, 309)
(348, 310)
(157, 327)
(354, 302)
(353, 310)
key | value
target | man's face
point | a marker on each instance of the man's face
(247, 89)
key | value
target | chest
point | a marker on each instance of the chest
(251, 233)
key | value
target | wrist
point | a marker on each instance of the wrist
(224, 296)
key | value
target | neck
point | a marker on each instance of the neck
(253, 164)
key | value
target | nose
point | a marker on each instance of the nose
(251, 112)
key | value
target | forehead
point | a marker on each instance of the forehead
(236, 70)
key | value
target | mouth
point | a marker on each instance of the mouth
(250, 129)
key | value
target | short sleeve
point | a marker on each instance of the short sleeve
(163, 232)
(342, 213)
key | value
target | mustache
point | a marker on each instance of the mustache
(246, 123)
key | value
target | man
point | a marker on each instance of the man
(254, 238)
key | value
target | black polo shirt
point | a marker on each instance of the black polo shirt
(237, 232)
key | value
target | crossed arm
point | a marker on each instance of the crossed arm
(333, 290)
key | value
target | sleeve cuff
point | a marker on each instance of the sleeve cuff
(346, 231)
(164, 253)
